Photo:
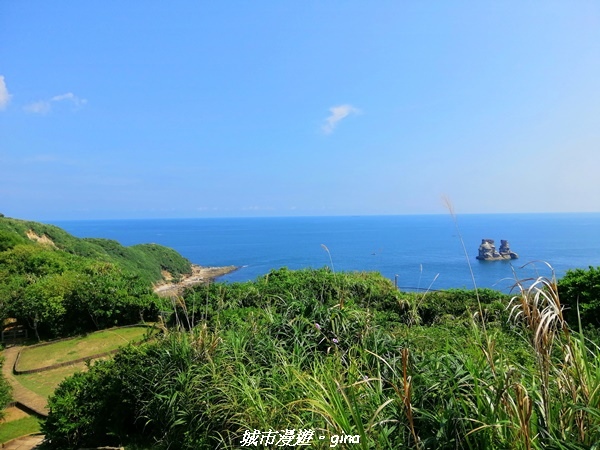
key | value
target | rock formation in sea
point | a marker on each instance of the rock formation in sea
(487, 251)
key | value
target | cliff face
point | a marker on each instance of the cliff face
(487, 251)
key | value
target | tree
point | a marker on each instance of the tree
(105, 296)
(42, 304)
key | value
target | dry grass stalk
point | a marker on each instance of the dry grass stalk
(564, 359)
(538, 307)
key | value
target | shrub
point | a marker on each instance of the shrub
(82, 409)
(5, 391)
(137, 397)
(8, 240)
(580, 289)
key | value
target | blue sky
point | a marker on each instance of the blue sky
(112, 109)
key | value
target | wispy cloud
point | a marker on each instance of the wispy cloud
(4, 95)
(69, 96)
(41, 107)
(44, 106)
(337, 114)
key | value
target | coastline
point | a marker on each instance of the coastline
(199, 275)
(416, 247)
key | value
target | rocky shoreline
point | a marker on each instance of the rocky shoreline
(199, 275)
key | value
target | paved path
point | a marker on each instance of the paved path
(30, 400)
(24, 443)
(22, 395)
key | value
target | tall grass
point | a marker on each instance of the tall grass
(566, 395)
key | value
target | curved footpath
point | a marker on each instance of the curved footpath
(26, 399)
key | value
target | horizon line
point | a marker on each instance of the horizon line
(304, 216)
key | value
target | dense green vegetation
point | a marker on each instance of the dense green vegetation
(344, 354)
(58, 284)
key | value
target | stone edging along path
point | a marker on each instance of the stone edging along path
(16, 371)
(58, 365)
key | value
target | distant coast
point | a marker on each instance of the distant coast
(199, 275)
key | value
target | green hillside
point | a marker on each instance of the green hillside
(145, 260)
(57, 284)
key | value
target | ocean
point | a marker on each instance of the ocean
(419, 251)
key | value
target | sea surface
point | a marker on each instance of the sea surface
(419, 251)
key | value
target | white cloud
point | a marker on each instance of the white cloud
(78, 102)
(338, 113)
(4, 95)
(44, 106)
(41, 107)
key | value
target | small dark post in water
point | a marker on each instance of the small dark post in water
(396, 281)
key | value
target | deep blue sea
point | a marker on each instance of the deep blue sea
(422, 251)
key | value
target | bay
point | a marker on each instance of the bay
(420, 251)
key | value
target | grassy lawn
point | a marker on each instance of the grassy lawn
(79, 347)
(44, 383)
(20, 427)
